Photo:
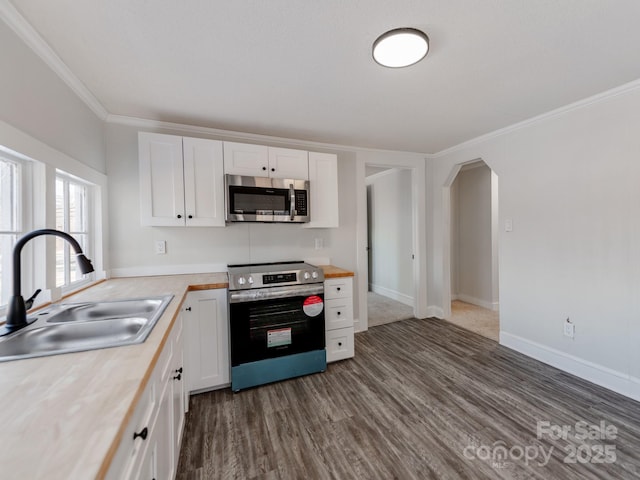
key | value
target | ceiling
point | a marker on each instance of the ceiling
(303, 69)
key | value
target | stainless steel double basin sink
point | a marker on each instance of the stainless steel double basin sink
(75, 327)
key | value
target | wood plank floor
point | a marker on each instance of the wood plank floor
(422, 399)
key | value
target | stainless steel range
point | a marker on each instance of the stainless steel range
(276, 313)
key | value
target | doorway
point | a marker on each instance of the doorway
(473, 250)
(390, 289)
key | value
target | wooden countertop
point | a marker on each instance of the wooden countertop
(334, 272)
(62, 416)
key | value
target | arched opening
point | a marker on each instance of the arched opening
(471, 260)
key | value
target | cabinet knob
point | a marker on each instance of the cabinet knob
(339, 344)
(273, 169)
(179, 216)
(188, 309)
(264, 168)
(143, 434)
(338, 288)
(178, 376)
(190, 216)
(338, 313)
(179, 370)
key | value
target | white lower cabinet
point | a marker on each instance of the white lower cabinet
(150, 444)
(338, 318)
(207, 339)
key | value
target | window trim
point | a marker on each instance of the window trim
(24, 221)
(89, 248)
(45, 161)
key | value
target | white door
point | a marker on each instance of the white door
(207, 343)
(161, 180)
(204, 182)
(246, 159)
(288, 163)
(323, 186)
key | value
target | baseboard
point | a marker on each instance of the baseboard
(475, 301)
(153, 270)
(436, 312)
(605, 377)
(394, 295)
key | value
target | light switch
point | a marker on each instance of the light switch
(508, 225)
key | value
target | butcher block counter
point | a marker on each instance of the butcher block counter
(62, 416)
(335, 272)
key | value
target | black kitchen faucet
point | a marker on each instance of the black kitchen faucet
(17, 310)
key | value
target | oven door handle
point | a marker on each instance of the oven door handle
(258, 294)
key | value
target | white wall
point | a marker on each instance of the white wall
(471, 250)
(569, 182)
(36, 101)
(390, 227)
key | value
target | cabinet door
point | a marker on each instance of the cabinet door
(245, 159)
(203, 182)
(323, 186)
(288, 163)
(207, 342)
(178, 377)
(165, 464)
(161, 180)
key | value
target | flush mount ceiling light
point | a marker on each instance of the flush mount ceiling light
(400, 47)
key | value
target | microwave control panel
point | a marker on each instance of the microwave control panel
(301, 202)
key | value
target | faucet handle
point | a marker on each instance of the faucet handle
(29, 302)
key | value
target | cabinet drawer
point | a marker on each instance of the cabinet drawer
(338, 288)
(339, 344)
(338, 313)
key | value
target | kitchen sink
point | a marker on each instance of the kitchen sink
(65, 328)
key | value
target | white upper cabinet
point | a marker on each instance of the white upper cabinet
(161, 179)
(323, 185)
(245, 159)
(204, 182)
(288, 163)
(262, 161)
(181, 181)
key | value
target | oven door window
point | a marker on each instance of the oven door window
(253, 200)
(274, 328)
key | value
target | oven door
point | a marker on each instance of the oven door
(274, 322)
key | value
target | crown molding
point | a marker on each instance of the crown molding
(600, 97)
(243, 136)
(40, 47)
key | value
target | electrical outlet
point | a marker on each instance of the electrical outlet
(569, 328)
(161, 247)
(319, 243)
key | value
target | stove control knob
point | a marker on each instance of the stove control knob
(241, 281)
(306, 275)
(250, 280)
(314, 274)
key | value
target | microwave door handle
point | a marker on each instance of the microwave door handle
(292, 199)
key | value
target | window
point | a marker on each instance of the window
(73, 217)
(13, 216)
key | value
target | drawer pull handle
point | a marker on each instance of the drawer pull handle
(188, 309)
(179, 370)
(143, 434)
(178, 377)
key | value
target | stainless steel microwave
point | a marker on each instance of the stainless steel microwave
(263, 199)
